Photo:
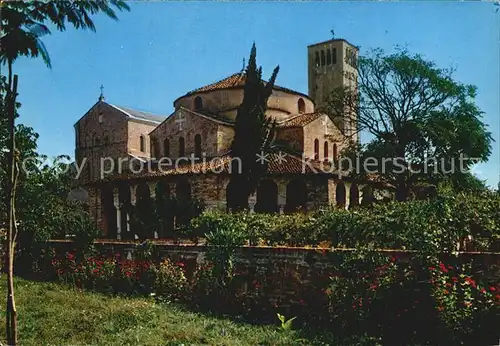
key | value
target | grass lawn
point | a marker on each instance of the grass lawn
(50, 314)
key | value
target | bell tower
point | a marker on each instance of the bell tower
(332, 64)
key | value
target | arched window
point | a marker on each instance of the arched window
(197, 145)
(328, 57)
(322, 58)
(142, 143)
(156, 149)
(334, 151)
(316, 61)
(198, 103)
(316, 149)
(182, 148)
(325, 150)
(301, 105)
(166, 147)
(334, 56)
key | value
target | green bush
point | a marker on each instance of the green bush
(170, 280)
(428, 226)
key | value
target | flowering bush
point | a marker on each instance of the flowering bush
(170, 280)
(460, 298)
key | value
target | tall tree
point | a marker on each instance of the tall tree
(22, 26)
(253, 136)
(421, 121)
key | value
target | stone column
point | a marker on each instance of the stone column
(281, 196)
(360, 193)
(347, 194)
(252, 200)
(331, 192)
(152, 196)
(152, 189)
(133, 194)
(116, 202)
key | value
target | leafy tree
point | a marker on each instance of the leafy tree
(22, 26)
(254, 133)
(422, 122)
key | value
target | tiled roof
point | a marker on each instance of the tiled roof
(140, 115)
(236, 80)
(300, 120)
(277, 163)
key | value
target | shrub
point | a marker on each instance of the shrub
(169, 279)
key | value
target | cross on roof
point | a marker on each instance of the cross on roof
(101, 97)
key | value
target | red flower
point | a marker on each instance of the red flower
(180, 264)
(445, 292)
(471, 282)
(443, 268)
(432, 268)
(440, 308)
(482, 290)
(492, 289)
(454, 279)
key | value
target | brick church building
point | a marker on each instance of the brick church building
(129, 154)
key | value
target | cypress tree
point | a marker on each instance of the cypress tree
(254, 134)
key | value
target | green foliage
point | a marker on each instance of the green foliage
(286, 325)
(222, 243)
(421, 119)
(253, 133)
(429, 226)
(170, 280)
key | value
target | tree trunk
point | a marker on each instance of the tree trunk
(11, 312)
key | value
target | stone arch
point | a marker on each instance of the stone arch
(197, 145)
(198, 103)
(316, 60)
(267, 197)
(182, 147)
(353, 196)
(296, 196)
(366, 196)
(109, 212)
(323, 58)
(183, 190)
(328, 57)
(340, 194)
(124, 200)
(316, 149)
(325, 150)
(165, 209)
(301, 105)
(231, 196)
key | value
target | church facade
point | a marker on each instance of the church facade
(129, 155)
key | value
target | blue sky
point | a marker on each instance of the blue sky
(161, 50)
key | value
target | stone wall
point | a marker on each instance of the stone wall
(289, 272)
(281, 104)
(101, 132)
(190, 127)
(324, 130)
(136, 129)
